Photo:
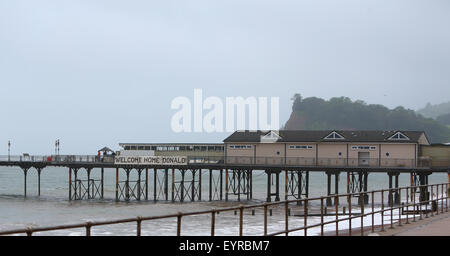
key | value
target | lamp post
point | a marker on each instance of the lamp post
(9, 151)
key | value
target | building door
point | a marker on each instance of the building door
(363, 158)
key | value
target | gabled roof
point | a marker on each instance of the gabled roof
(319, 136)
(270, 137)
(334, 136)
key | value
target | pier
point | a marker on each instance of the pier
(229, 178)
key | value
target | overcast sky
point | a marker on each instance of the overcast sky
(96, 73)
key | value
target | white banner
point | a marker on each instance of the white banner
(151, 160)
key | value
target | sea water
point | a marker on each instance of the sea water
(54, 208)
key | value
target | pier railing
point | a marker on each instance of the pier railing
(431, 200)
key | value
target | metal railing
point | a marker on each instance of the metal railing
(433, 200)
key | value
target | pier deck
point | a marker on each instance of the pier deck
(229, 177)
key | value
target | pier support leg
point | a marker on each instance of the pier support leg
(25, 172)
(286, 185)
(221, 182)
(155, 179)
(393, 198)
(146, 184)
(182, 186)
(39, 180)
(193, 186)
(88, 171)
(390, 197)
(423, 181)
(76, 194)
(127, 185)
(117, 184)
(251, 183)
(366, 183)
(396, 193)
(277, 186)
(269, 186)
(348, 183)
(329, 201)
(173, 185)
(336, 188)
(139, 171)
(70, 184)
(199, 185)
(306, 184)
(239, 185)
(210, 184)
(166, 184)
(226, 185)
(102, 183)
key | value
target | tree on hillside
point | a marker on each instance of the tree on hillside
(343, 113)
(433, 111)
(444, 119)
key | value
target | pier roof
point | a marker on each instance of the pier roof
(323, 136)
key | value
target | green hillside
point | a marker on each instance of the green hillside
(343, 113)
(444, 119)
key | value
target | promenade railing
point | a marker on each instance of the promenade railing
(412, 203)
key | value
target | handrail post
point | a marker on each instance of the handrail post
(241, 220)
(265, 219)
(321, 216)
(431, 200)
(373, 210)
(179, 223)
(400, 208)
(286, 215)
(350, 214)
(407, 206)
(437, 199)
(213, 222)
(391, 205)
(414, 203)
(362, 214)
(336, 200)
(305, 223)
(88, 228)
(382, 210)
(138, 228)
(29, 231)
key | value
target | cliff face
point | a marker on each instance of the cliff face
(295, 122)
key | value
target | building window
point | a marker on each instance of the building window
(340, 154)
(240, 146)
(278, 152)
(364, 148)
(300, 147)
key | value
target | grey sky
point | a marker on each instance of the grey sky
(95, 73)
